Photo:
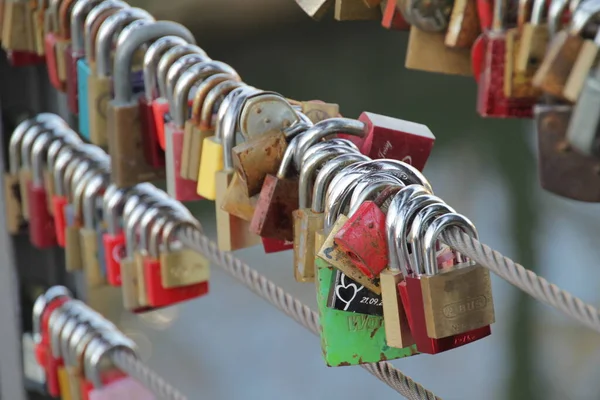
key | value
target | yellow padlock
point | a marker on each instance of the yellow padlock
(211, 159)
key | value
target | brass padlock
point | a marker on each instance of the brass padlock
(459, 299)
(125, 138)
(199, 126)
(14, 26)
(534, 41)
(464, 26)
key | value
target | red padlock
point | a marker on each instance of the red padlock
(271, 245)
(114, 238)
(24, 59)
(56, 41)
(155, 156)
(364, 237)
(491, 100)
(393, 18)
(43, 307)
(392, 138)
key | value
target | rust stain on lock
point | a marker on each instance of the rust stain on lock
(257, 158)
(273, 215)
(235, 201)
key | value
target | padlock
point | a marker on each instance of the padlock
(114, 238)
(125, 138)
(556, 67)
(88, 234)
(582, 133)
(308, 220)
(197, 128)
(15, 34)
(55, 43)
(175, 274)
(562, 171)
(448, 318)
(491, 98)
(355, 10)
(316, 9)
(155, 156)
(586, 59)
(391, 17)
(83, 16)
(59, 199)
(517, 85)
(42, 232)
(534, 40)
(38, 21)
(160, 105)
(208, 161)
(262, 154)
(363, 331)
(67, 139)
(178, 187)
(464, 26)
(96, 371)
(232, 231)
(95, 74)
(363, 238)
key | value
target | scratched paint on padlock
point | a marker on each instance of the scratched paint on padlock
(349, 338)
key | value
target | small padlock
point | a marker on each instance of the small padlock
(464, 26)
(114, 238)
(160, 105)
(309, 220)
(466, 309)
(197, 127)
(178, 187)
(155, 156)
(534, 41)
(55, 43)
(562, 171)
(125, 138)
(232, 231)
(209, 158)
(15, 34)
(554, 71)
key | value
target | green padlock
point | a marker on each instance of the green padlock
(347, 338)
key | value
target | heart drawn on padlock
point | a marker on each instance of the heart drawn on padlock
(343, 290)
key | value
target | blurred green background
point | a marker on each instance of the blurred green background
(231, 345)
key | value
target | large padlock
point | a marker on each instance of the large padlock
(555, 70)
(562, 171)
(95, 75)
(211, 159)
(232, 231)
(160, 105)
(197, 126)
(204, 135)
(155, 156)
(125, 137)
(178, 187)
(84, 15)
(456, 313)
(309, 220)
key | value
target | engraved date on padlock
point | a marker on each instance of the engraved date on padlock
(348, 295)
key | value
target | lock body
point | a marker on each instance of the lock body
(72, 84)
(235, 201)
(42, 233)
(155, 156)
(160, 296)
(277, 201)
(114, 252)
(83, 76)
(306, 224)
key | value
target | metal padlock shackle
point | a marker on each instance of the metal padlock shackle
(202, 92)
(65, 140)
(149, 217)
(372, 184)
(253, 103)
(406, 212)
(112, 207)
(172, 228)
(186, 81)
(406, 172)
(85, 318)
(140, 192)
(52, 14)
(325, 176)
(57, 320)
(101, 348)
(420, 224)
(400, 200)
(220, 91)
(66, 162)
(30, 136)
(16, 138)
(153, 234)
(584, 15)
(88, 178)
(433, 232)
(325, 128)
(170, 57)
(76, 178)
(191, 64)
(64, 17)
(41, 304)
(82, 336)
(39, 152)
(227, 126)
(316, 148)
(81, 10)
(112, 26)
(537, 12)
(556, 10)
(89, 160)
(132, 222)
(97, 185)
(86, 42)
(311, 164)
(150, 64)
(129, 42)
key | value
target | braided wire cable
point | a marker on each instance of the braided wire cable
(532, 284)
(295, 309)
(128, 363)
